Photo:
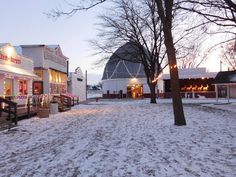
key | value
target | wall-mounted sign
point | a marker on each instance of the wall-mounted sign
(8, 53)
(11, 59)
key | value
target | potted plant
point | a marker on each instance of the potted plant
(44, 110)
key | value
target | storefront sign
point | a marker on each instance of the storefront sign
(11, 59)
(8, 53)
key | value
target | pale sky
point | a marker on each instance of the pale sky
(24, 22)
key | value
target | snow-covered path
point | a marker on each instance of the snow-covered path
(122, 139)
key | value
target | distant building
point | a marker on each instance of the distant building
(124, 76)
(194, 83)
(50, 65)
(77, 84)
(225, 82)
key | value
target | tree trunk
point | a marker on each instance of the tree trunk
(174, 80)
(165, 13)
(152, 93)
(175, 89)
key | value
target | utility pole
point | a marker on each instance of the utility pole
(220, 65)
(86, 91)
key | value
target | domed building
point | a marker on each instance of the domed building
(124, 75)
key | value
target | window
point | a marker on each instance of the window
(23, 87)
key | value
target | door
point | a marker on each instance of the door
(8, 87)
(135, 91)
(37, 87)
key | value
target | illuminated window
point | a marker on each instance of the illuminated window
(8, 87)
(39, 73)
(23, 87)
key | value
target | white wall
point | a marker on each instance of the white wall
(46, 84)
(1, 85)
(115, 85)
(160, 85)
(26, 64)
(35, 53)
(232, 91)
(53, 65)
(77, 88)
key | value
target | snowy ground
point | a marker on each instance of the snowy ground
(123, 139)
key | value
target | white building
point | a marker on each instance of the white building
(16, 73)
(124, 78)
(77, 84)
(50, 65)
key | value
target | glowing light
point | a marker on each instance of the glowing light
(10, 51)
(50, 77)
(134, 80)
(157, 78)
(174, 66)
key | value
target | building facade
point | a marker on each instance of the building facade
(225, 84)
(194, 83)
(77, 84)
(124, 75)
(50, 65)
(16, 73)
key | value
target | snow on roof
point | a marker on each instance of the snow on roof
(192, 73)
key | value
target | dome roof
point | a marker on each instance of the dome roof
(124, 63)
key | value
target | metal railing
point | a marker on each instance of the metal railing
(10, 109)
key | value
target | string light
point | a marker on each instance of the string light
(157, 78)
(172, 67)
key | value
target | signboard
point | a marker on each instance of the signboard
(8, 53)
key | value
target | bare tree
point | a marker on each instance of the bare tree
(138, 24)
(165, 11)
(192, 56)
(228, 54)
(221, 13)
(73, 8)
